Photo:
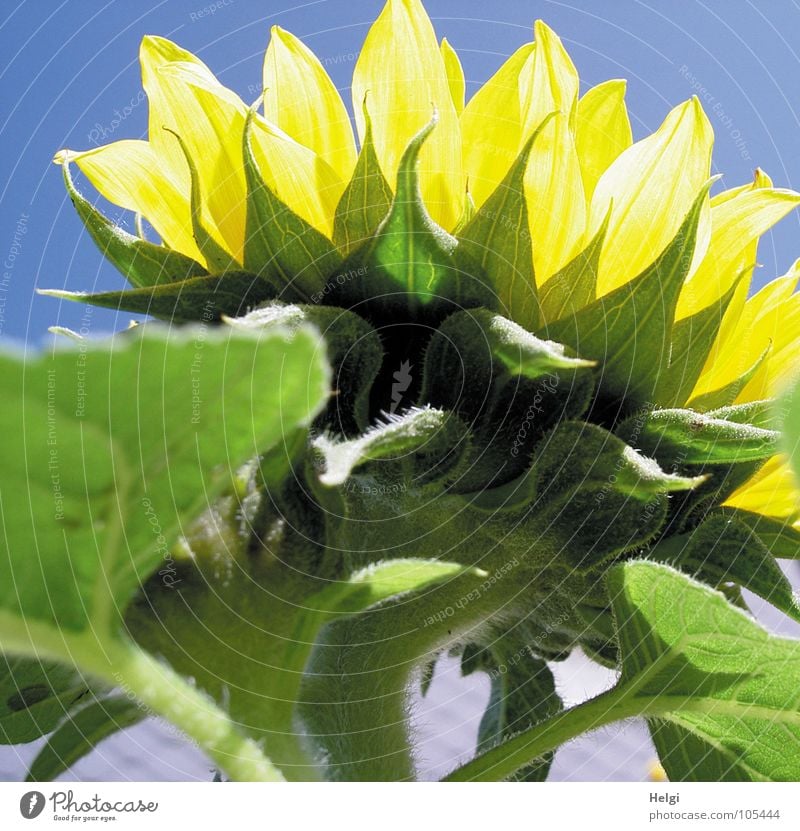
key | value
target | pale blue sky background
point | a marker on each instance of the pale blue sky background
(68, 66)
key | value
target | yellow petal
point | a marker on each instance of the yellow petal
(554, 84)
(603, 130)
(736, 225)
(760, 180)
(759, 323)
(401, 68)
(301, 99)
(771, 492)
(556, 203)
(187, 98)
(127, 173)
(491, 126)
(553, 181)
(652, 185)
(455, 75)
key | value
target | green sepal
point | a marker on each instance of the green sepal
(142, 263)
(218, 259)
(34, 696)
(81, 732)
(430, 434)
(598, 496)
(366, 199)
(628, 331)
(724, 396)
(196, 299)
(692, 340)
(410, 266)
(280, 246)
(575, 285)
(780, 536)
(497, 238)
(507, 384)
(721, 550)
(684, 437)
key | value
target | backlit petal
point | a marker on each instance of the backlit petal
(771, 492)
(652, 184)
(553, 181)
(455, 75)
(602, 132)
(401, 69)
(491, 126)
(301, 99)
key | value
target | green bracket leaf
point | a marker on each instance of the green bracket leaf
(142, 263)
(498, 240)
(280, 246)
(196, 299)
(722, 550)
(366, 199)
(219, 260)
(629, 330)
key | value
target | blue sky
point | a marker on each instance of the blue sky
(69, 71)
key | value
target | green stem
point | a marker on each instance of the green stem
(624, 701)
(168, 695)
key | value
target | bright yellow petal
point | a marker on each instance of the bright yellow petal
(127, 173)
(556, 203)
(652, 185)
(210, 119)
(760, 322)
(491, 126)
(736, 225)
(455, 75)
(553, 181)
(301, 99)
(554, 85)
(602, 132)
(760, 180)
(771, 492)
(401, 69)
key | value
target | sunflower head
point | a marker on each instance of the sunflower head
(546, 356)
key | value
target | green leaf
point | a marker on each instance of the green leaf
(81, 732)
(722, 550)
(34, 697)
(410, 265)
(692, 341)
(724, 396)
(142, 263)
(628, 331)
(196, 299)
(779, 536)
(575, 285)
(279, 246)
(713, 673)
(161, 420)
(354, 351)
(498, 240)
(366, 199)
(218, 259)
(697, 438)
(727, 688)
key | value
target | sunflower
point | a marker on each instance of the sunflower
(557, 319)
